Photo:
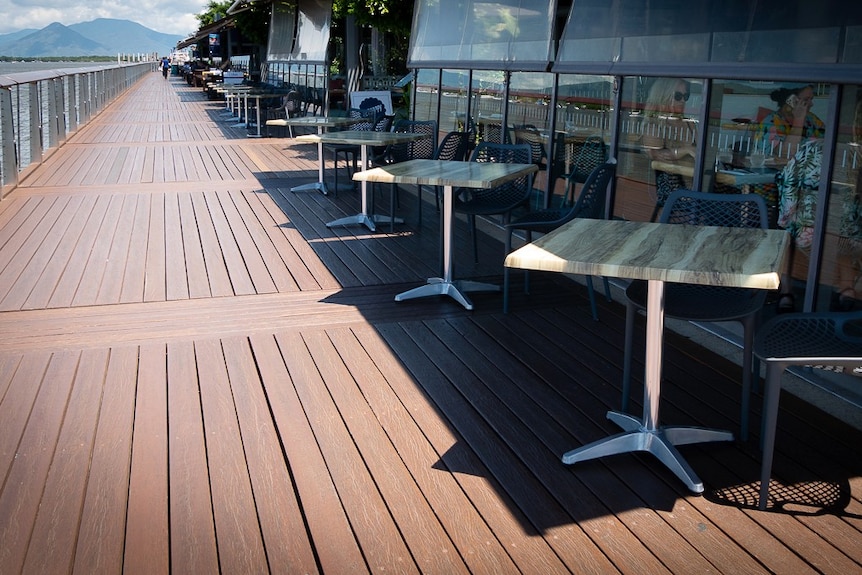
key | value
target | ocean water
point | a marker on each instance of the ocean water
(16, 67)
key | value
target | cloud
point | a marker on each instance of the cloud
(160, 15)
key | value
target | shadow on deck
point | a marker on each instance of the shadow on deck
(198, 376)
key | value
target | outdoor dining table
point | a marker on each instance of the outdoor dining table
(363, 139)
(449, 175)
(657, 253)
(321, 123)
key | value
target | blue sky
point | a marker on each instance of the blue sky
(168, 16)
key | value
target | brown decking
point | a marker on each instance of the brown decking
(197, 376)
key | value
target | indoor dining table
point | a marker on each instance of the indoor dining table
(322, 123)
(363, 139)
(657, 253)
(449, 174)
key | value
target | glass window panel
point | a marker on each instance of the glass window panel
(583, 118)
(657, 135)
(453, 100)
(734, 31)
(508, 33)
(426, 97)
(841, 268)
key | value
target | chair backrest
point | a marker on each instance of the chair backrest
(710, 209)
(592, 201)
(506, 153)
(425, 148)
(496, 134)
(368, 119)
(531, 136)
(590, 154)
(453, 146)
(513, 192)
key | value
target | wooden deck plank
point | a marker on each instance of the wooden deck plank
(134, 276)
(118, 256)
(280, 514)
(100, 541)
(147, 528)
(22, 491)
(374, 528)
(323, 427)
(60, 506)
(463, 491)
(315, 486)
(573, 545)
(40, 293)
(193, 546)
(238, 533)
(94, 272)
(22, 272)
(240, 278)
(217, 272)
(66, 288)
(428, 541)
(155, 284)
(176, 276)
(257, 268)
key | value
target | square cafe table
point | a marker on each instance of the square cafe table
(449, 174)
(657, 253)
(321, 123)
(363, 139)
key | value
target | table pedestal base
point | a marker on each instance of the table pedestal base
(364, 220)
(455, 290)
(660, 442)
(314, 186)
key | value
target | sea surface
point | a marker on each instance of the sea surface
(15, 67)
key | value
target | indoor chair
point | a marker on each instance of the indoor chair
(591, 204)
(804, 339)
(703, 303)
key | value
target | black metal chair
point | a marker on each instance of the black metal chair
(500, 200)
(591, 204)
(700, 302)
(368, 120)
(576, 160)
(805, 339)
(453, 147)
(426, 148)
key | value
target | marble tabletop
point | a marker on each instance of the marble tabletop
(446, 173)
(725, 256)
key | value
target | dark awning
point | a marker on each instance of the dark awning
(204, 32)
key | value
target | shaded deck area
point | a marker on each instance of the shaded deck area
(197, 376)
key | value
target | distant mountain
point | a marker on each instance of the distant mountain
(100, 37)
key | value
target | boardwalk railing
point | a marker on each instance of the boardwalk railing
(39, 109)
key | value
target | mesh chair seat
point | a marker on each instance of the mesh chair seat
(828, 338)
(368, 119)
(706, 303)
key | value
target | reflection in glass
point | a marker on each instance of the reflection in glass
(658, 133)
(841, 268)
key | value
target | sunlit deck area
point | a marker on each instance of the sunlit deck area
(198, 376)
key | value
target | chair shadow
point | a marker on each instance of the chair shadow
(803, 498)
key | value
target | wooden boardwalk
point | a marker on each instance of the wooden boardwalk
(197, 376)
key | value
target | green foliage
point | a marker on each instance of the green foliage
(253, 23)
(394, 16)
